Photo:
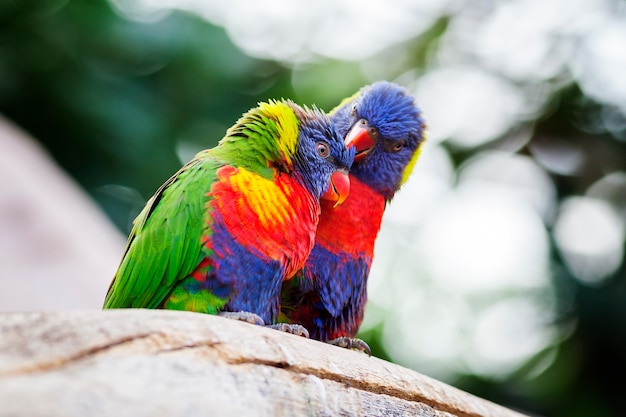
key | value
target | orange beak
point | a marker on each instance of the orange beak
(360, 138)
(339, 187)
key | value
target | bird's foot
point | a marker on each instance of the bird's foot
(351, 343)
(296, 329)
(246, 316)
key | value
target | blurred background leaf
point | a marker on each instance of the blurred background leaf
(500, 265)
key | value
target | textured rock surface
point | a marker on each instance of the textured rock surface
(167, 363)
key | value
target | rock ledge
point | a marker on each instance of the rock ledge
(169, 363)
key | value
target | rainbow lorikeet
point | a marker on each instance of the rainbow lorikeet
(224, 232)
(385, 126)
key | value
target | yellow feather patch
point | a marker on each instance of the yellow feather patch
(286, 124)
(264, 197)
(409, 168)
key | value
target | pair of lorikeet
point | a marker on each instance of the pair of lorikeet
(269, 226)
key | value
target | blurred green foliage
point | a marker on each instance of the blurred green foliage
(110, 97)
(113, 100)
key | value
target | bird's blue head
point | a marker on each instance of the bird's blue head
(322, 158)
(385, 127)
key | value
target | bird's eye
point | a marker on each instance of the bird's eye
(398, 146)
(322, 150)
(353, 111)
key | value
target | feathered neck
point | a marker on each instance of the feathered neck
(263, 138)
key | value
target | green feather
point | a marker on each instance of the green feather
(165, 244)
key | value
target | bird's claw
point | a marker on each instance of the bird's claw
(246, 316)
(351, 343)
(296, 329)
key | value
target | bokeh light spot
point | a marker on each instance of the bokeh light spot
(515, 173)
(590, 237)
(484, 238)
(507, 334)
(468, 106)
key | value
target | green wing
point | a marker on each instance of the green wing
(165, 244)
